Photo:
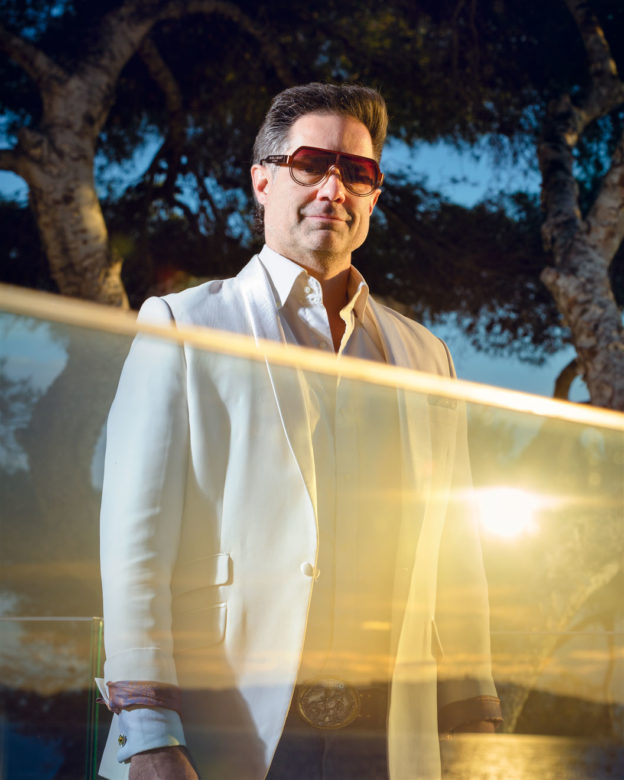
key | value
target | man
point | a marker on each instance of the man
(243, 509)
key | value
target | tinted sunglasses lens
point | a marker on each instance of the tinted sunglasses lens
(359, 175)
(310, 166)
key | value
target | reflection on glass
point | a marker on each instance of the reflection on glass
(509, 512)
(547, 505)
(49, 719)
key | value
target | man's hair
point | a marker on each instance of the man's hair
(362, 103)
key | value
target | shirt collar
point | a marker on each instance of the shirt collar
(284, 275)
(357, 292)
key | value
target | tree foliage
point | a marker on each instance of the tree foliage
(190, 98)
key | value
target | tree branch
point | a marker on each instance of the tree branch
(205, 195)
(601, 64)
(271, 50)
(10, 161)
(165, 79)
(190, 215)
(123, 29)
(564, 124)
(607, 90)
(37, 64)
(120, 34)
(606, 217)
(565, 379)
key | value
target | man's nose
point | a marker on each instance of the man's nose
(332, 186)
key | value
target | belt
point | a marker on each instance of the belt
(333, 704)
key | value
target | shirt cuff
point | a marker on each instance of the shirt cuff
(146, 728)
(467, 711)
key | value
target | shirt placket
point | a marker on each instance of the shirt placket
(345, 538)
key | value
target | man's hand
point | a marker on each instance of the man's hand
(167, 763)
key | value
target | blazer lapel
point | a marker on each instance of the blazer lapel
(288, 384)
(394, 345)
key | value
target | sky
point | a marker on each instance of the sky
(465, 177)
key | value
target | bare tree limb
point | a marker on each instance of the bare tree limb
(190, 215)
(565, 123)
(565, 379)
(205, 195)
(270, 48)
(602, 68)
(37, 64)
(10, 161)
(123, 29)
(559, 188)
(606, 217)
(165, 79)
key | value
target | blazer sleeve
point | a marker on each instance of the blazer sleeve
(466, 690)
(142, 504)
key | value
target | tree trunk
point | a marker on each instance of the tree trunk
(56, 160)
(71, 223)
(580, 285)
(583, 246)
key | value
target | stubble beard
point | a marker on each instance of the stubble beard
(326, 250)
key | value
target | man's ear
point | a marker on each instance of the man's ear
(373, 201)
(261, 182)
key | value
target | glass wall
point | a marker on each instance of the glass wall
(272, 517)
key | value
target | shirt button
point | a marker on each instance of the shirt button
(308, 570)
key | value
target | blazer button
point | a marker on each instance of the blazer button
(309, 571)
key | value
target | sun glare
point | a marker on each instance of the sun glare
(509, 512)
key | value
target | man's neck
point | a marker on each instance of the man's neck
(332, 272)
(334, 286)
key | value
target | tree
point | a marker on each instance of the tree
(196, 77)
(57, 158)
(583, 246)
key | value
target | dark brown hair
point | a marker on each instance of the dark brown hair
(362, 103)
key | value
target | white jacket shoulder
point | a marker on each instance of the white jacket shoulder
(209, 305)
(422, 350)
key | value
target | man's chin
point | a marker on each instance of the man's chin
(327, 237)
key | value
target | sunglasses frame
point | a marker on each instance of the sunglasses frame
(287, 161)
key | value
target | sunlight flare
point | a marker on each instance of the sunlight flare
(509, 512)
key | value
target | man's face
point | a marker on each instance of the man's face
(316, 226)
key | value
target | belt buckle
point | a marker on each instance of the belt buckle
(328, 704)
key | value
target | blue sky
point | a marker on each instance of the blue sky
(468, 177)
(465, 177)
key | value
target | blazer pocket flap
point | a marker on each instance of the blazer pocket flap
(211, 570)
(442, 402)
(201, 627)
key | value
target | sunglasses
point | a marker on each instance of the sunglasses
(309, 166)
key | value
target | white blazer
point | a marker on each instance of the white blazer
(209, 517)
